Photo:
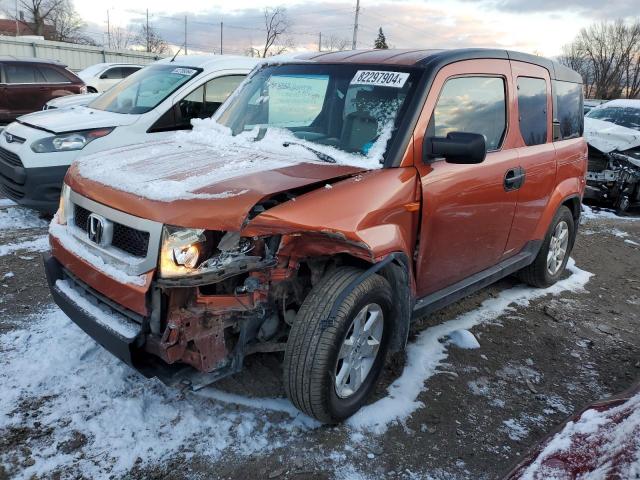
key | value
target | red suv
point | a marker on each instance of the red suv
(330, 200)
(27, 84)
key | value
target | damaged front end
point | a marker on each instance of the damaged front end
(212, 305)
(613, 178)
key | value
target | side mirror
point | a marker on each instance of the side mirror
(103, 76)
(456, 147)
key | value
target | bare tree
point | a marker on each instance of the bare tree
(39, 13)
(276, 25)
(607, 55)
(334, 43)
(67, 24)
(151, 40)
(120, 38)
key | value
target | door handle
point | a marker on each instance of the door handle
(514, 179)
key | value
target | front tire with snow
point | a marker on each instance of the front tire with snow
(331, 365)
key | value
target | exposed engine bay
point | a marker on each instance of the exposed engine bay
(613, 176)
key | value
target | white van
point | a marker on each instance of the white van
(37, 149)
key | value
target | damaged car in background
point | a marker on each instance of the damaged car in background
(612, 131)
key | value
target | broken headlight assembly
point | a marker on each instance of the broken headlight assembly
(189, 252)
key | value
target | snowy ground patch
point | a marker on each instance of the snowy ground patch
(123, 416)
(428, 351)
(18, 218)
(39, 244)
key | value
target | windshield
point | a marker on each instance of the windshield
(624, 116)
(144, 90)
(346, 107)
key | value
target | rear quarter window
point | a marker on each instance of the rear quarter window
(568, 109)
(532, 110)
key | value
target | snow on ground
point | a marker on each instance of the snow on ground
(18, 218)
(123, 415)
(5, 202)
(605, 443)
(589, 213)
(428, 351)
(39, 244)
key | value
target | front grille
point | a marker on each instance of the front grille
(10, 157)
(10, 191)
(134, 242)
(130, 240)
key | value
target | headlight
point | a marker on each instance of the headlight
(69, 141)
(181, 251)
(63, 207)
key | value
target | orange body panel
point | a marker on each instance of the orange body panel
(133, 297)
(367, 211)
(466, 214)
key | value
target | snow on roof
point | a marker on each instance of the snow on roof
(622, 102)
(211, 61)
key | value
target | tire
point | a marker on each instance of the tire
(538, 274)
(311, 360)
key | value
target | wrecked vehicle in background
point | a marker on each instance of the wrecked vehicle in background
(612, 131)
(333, 198)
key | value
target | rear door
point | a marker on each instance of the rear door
(26, 88)
(535, 150)
(56, 83)
(466, 209)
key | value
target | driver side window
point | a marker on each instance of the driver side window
(472, 105)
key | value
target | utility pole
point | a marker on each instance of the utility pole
(108, 30)
(220, 38)
(148, 50)
(354, 44)
(320, 42)
(185, 35)
(17, 24)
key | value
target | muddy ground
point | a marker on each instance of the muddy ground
(481, 411)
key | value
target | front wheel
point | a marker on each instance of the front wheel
(331, 365)
(553, 256)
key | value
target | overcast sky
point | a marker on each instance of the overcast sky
(541, 26)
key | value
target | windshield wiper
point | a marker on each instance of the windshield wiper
(322, 156)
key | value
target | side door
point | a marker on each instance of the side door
(26, 89)
(467, 210)
(536, 151)
(56, 82)
(201, 102)
(109, 78)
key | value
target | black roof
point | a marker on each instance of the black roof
(436, 59)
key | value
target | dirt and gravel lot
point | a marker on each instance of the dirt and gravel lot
(70, 410)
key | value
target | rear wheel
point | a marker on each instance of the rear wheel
(553, 256)
(331, 365)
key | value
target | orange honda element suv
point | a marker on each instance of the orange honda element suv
(330, 200)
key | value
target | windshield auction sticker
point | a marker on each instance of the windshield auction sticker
(380, 78)
(183, 71)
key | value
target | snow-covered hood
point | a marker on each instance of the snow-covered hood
(194, 184)
(607, 136)
(72, 100)
(76, 118)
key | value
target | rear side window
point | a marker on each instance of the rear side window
(17, 73)
(472, 105)
(126, 71)
(114, 73)
(532, 110)
(52, 75)
(568, 109)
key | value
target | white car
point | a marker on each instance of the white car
(70, 101)
(102, 76)
(37, 149)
